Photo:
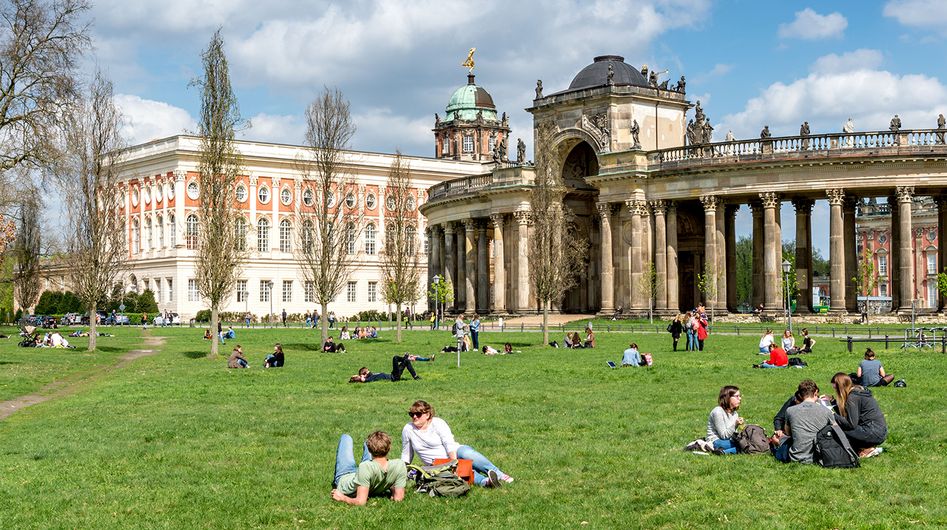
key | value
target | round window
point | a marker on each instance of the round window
(390, 202)
(264, 194)
(350, 200)
(370, 201)
(241, 193)
(135, 197)
(286, 196)
(192, 189)
(307, 197)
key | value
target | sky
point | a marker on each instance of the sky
(749, 63)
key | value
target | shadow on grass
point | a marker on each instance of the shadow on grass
(9, 362)
(194, 354)
(108, 349)
(302, 346)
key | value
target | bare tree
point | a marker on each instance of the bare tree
(26, 253)
(40, 45)
(327, 251)
(400, 265)
(556, 250)
(88, 175)
(649, 284)
(218, 258)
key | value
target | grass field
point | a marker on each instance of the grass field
(175, 440)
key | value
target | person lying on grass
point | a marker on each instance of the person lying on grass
(375, 476)
(399, 363)
(431, 438)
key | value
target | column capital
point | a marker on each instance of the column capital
(659, 206)
(604, 208)
(803, 205)
(448, 229)
(709, 202)
(470, 225)
(836, 196)
(770, 199)
(179, 176)
(904, 193)
(522, 216)
(636, 207)
(497, 219)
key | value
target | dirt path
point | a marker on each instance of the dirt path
(66, 387)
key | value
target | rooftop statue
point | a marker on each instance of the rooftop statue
(940, 121)
(895, 124)
(437, 119)
(708, 131)
(849, 126)
(680, 85)
(539, 89)
(520, 151)
(804, 132)
(469, 62)
(611, 75)
(505, 120)
(653, 79)
(730, 136)
(765, 132)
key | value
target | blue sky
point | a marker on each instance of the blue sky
(750, 63)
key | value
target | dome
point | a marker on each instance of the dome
(468, 100)
(596, 74)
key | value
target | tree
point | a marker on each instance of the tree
(649, 285)
(442, 293)
(399, 259)
(865, 279)
(88, 175)
(40, 46)
(556, 250)
(26, 252)
(327, 252)
(744, 272)
(218, 256)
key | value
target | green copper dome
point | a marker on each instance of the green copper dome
(468, 100)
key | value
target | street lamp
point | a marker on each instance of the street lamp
(786, 267)
(269, 292)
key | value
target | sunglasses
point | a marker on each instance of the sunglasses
(416, 414)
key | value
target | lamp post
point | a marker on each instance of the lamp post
(269, 293)
(786, 267)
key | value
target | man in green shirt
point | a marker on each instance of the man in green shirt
(375, 476)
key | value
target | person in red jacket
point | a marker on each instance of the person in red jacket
(777, 358)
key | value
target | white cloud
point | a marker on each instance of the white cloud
(387, 131)
(283, 129)
(918, 13)
(720, 69)
(862, 59)
(147, 120)
(810, 25)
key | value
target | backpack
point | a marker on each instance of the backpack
(796, 361)
(752, 440)
(832, 448)
(439, 481)
(669, 327)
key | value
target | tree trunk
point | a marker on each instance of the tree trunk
(546, 323)
(214, 336)
(93, 334)
(398, 335)
(324, 323)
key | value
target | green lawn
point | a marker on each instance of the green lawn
(178, 441)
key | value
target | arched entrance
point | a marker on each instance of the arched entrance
(581, 162)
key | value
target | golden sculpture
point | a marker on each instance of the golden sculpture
(469, 62)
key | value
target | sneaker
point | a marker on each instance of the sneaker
(417, 377)
(693, 446)
(506, 478)
(433, 357)
(493, 480)
(874, 452)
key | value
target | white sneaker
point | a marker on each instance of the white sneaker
(493, 480)
(875, 452)
(506, 478)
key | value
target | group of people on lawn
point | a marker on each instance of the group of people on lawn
(425, 435)
(273, 360)
(694, 325)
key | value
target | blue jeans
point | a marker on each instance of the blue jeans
(691, 340)
(767, 365)
(475, 337)
(345, 458)
(781, 452)
(729, 448)
(481, 464)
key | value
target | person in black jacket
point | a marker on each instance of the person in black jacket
(859, 416)
(676, 328)
(275, 359)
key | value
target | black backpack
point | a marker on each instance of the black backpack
(752, 440)
(832, 448)
(796, 361)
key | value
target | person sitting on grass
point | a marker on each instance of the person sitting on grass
(859, 416)
(507, 348)
(275, 359)
(229, 334)
(237, 360)
(431, 438)
(344, 334)
(332, 347)
(803, 422)
(871, 373)
(766, 341)
(723, 421)
(375, 476)
(789, 343)
(207, 335)
(631, 357)
(777, 358)
(807, 342)
(589, 338)
(399, 363)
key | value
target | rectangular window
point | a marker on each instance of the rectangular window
(883, 265)
(287, 290)
(931, 263)
(242, 293)
(193, 294)
(468, 144)
(310, 295)
(372, 291)
(931, 294)
(265, 286)
(158, 292)
(350, 292)
(170, 289)
(882, 289)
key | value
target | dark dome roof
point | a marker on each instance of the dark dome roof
(596, 74)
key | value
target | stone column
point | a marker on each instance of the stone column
(941, 242)
(906, 235)
(711, 271)
(460, 297)
(470, 267)
(758, 236)
(851, 255)
(499, 265)
(721, 252)
(771, 249)
(431, 266)
(660, 255)
(608, 269)
(730, 235)
(803, 254)
(836, 250)
(483, 272)
(894, 246)
(522, 259)
(636, 208)
(449, 256)
(673, 289)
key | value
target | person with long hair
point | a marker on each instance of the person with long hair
(275, 359)
(723, 421)
(676, 328)
(859, 416)
(430, 438)
(789, 343)
(871, 373)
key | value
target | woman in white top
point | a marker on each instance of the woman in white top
(789, 342)
(431, 438)
(723, 421)
(765, 341)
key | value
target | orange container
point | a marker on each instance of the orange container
(464, 468)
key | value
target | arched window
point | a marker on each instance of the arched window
(172, 231)
(285, 236)
(390, 238)
(159, 226)
(263, 235)
(307, 236)
(149, 242)
(350, 238)
(370, 239)
(240, 234)
(136, 237)
(191, 232)
(410, 236)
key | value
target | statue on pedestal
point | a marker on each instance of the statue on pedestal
(941, 123)
(539, 89)
(804, 132)
(520, 151)
(611, 76)
(765, 132)
(895, 124)
(635, 130)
